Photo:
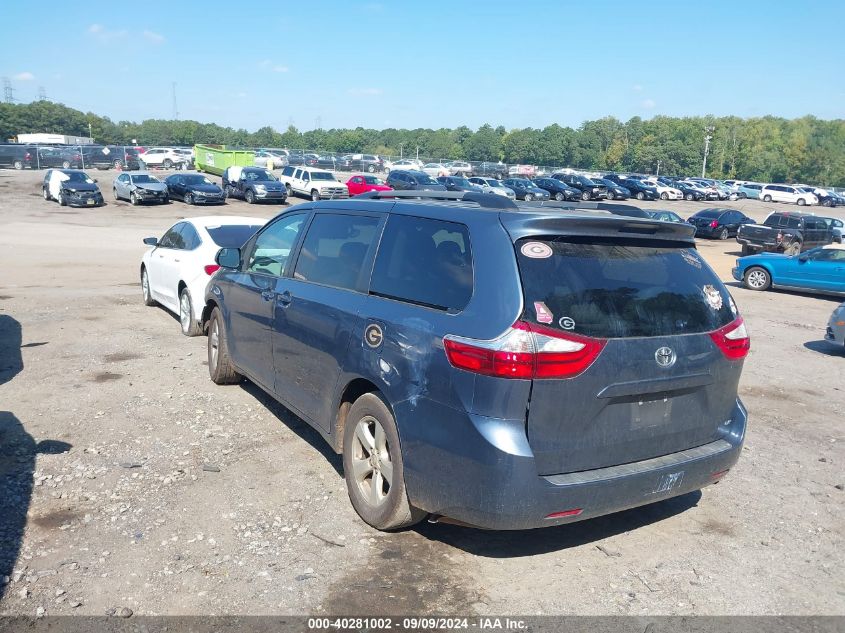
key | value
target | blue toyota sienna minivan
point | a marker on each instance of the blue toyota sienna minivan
(500, 366)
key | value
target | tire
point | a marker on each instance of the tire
(611, 195)
(741, 196)
(827, 203)
(371, 169)
(118, 164)
(664, 196)
(189, 198)
(371, 450)
(559, 196)
(767, 198)
(745, 250)
(793, 249)
(114, 193)
(801, 202)
(249, 196)
(757, 278)
(145, 288)
(585, 195)
(640, 195)
(65, 164)
(167, 164)
(220, 366)
(190, 327)
(289, 190)
(725, 234)
(315, 195)
(133, 199)
(689, 197)
(61, 200)
(45, 193)
(227, 192)
(528, 197)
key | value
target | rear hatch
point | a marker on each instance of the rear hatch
(658, 380)
(758, 232)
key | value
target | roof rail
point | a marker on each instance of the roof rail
(487, 200)
(617, 209)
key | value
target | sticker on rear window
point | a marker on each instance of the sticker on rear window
(713, 297)
(566, 323)
(536, 250)
(544, 315)
(691, 259)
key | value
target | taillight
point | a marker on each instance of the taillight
(733, 339)
(211, 269)
(27, 156)
(714, 224)
(527, 351)
(574, 512)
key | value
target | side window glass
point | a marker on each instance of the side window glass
(274, 244)
(190, 237)
(171, 238)
(426, 262)
(334, 249)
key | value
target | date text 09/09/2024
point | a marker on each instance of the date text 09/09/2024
(415, 623)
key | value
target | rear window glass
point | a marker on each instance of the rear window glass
(620, 288)
(708, 214)
(233, 236)
(426, 262)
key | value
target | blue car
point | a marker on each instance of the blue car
(817, 270)
(749, 190)
(504, 366)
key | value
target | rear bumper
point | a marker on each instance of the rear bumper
(482, 473)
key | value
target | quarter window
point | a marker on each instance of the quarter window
(426, 262)
(190, 237)
(172, 238)
(335, 249)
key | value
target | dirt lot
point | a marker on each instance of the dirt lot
(144, 486)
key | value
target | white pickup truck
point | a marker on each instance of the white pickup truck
(316, 184)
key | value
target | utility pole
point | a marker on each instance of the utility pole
(708, 131)
(42, 93)
(90, 134)
(400, 149)
(318, 123)
(8, 91)
(658, 168)
(175, 109)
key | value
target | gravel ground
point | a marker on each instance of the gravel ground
(129, 483)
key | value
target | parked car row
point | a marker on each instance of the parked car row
(68, 157)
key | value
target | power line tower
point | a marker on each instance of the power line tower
(175, 109)
(8, 91)
(42, 93)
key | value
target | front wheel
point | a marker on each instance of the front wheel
(559, 196)
(45, 193)
(220, 366)
(793, 249)
(167, 164)
(249, 196)
(371, 169)
(611, 195)
(767, 198)
(118, 164)
(373, 467)
(65, 164)
(664, 196)
(62, 200)
(640, 195)
(315, 195)
(741, 195)
(189, 324)
(757, 278)
(585, 195)
(689, 197)
(528, 197)
(133, 199)
(289, 190)
(189, 198)
(114, 193)
(801, 202)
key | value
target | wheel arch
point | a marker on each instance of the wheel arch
(206, 312)
(353, 390)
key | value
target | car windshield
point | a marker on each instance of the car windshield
(425, 179)
(78, 177)
(259, 175)
(461, 182)
(373, 180)
(584, 180)
(321, 175)
(621, 288)
(523, 182)
(233, 235)
(196, 179)
(142, 178)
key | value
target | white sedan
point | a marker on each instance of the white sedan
(176, 270)
(665, 191)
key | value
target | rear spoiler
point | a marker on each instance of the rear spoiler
(602, 225)
(487, 200)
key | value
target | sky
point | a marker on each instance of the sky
(387, 63)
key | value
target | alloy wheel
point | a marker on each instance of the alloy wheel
(372, 466)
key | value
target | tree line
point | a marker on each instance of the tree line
(768, 149)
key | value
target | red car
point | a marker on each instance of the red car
(362, 184)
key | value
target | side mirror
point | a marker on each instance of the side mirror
(803, 258)
(229, 258)
(151, 241)
(95, 180)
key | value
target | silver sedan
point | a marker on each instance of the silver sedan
(836, 326)
(138, 187)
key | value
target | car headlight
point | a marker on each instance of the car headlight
(261, 187)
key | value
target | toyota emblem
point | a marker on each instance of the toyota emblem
(665, 356)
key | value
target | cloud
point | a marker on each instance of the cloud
(152, 36)
(637, 88)
(648, 104)
(104, 35)
(276, 68)
(24, 76)
(365, 91)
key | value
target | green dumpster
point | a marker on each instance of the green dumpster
(215, 159)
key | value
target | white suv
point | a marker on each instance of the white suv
(787, 193)
(166, 157)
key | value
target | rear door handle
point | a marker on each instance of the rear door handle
(267, 295)
(285, 298)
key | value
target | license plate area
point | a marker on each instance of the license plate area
(89, 202)
(650, 413)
